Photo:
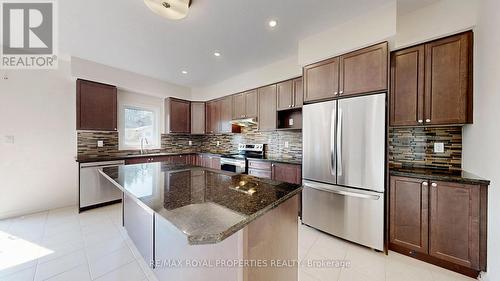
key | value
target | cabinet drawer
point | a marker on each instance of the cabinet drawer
(262, 165)
(260, 173)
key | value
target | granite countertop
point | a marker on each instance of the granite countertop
(206, 205)
(460, 176)
(93, 158)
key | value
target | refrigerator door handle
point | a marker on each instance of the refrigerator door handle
(333, 163)
(341, 192)
(339, 142)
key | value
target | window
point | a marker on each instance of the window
(139, 123)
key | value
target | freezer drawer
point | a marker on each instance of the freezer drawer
(351, 214)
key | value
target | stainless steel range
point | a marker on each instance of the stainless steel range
(237, 163)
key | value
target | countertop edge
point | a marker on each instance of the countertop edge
(446, 178)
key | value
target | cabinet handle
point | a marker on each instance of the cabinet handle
(425, 183)
(427, 120)
(420, 121)
(336, 93)
(341, 92)
(434, 184)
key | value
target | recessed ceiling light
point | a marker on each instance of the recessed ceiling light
(217, 54)
(273, 23)
(184, 72)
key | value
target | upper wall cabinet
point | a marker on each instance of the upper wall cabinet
(358, 72)
(226, 109)
(177, 116)
(212, 117)
(267, 108)
(197, 118)
(96, 106)
(245, 105)
(431, 84)
(364, 71)
(290, 94)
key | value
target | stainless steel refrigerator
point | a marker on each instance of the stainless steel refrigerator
(344, 168)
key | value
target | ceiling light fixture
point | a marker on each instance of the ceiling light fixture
(170, 9)
(273, 23)
(184, 72)
(217, 54)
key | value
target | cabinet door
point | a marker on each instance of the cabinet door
(197, 118)
(215, 162)
(364, 71)
(448, 91)
(409, 213)
(265, 174)
(96, 107)
(251, 104)
(178, 116)
(454, 223)
(213, 117)
(407, 87)
(239, 106)
(285, 95)
(298, 93)
(321, 80)
(226, 109)
(267, 108)
(287, 172)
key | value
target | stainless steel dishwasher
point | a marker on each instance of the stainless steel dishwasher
(95, 190)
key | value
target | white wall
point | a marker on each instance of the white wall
(373, 27)
(481, 150)
(274, 72)
(38, 171)
(126, 80)
(442, 18)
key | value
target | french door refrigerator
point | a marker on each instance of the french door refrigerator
(344, 168)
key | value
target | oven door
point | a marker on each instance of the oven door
(233, 165)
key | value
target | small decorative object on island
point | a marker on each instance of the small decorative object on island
(170, 9)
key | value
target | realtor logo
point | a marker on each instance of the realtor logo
(28, 37)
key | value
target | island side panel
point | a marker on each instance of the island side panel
(171, 246)
(273, 237)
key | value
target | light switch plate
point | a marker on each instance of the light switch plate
(438, 147)
(290, 122)
(100, 143)
(286, 144)
(218, 143)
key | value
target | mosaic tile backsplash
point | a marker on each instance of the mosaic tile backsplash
(228, 143)
(414, 147)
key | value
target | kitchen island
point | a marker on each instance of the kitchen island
(195, 223)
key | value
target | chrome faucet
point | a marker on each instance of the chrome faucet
(143, 140)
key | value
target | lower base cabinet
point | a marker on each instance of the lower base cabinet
(439, 222)
(291, 173)
(208, 161)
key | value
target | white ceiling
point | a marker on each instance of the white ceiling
(127, 35)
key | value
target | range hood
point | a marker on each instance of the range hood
(244, 122)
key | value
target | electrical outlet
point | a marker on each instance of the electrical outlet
(290, 122)
(190, 143)
(286, 144)
(218, 143)
(100, 143)
(438, 147)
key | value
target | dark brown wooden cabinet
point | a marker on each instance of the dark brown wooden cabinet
(289, 94)
(364, 71)
(358, 72)
(442, 223)
(212, 117)
(407, 86)
(431, 84)
(321, 80)
(208, 161)
(409, 213)
(226, 109)
(197, 118)
(290, 173)
(267, 108)
(245, 105)
(177, 116)
(96, 106)
(455, 223)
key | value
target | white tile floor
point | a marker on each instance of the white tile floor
(64, 245)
